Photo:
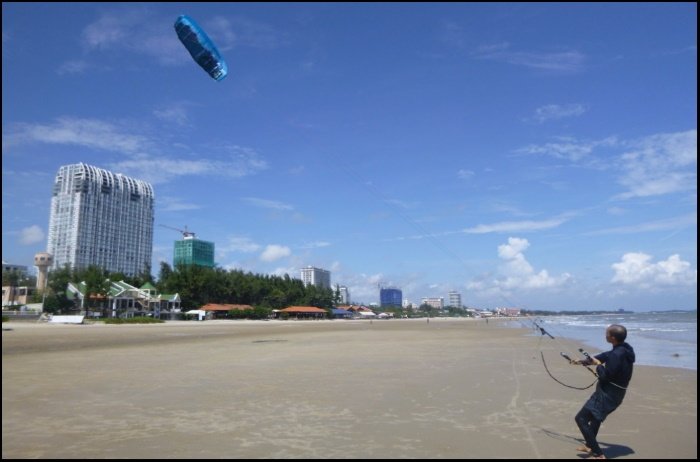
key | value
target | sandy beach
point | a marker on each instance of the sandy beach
(450, 388)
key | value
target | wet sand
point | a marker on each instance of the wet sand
(319, 389)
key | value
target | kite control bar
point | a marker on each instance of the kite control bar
(571, 361)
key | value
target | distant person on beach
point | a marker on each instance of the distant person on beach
(614, 370)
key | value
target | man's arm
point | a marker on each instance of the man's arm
(613, 366)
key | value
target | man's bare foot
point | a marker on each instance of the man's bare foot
(598, 456)
(584, 448)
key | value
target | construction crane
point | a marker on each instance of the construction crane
(185, 233)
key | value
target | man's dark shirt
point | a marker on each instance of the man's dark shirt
(613, 377)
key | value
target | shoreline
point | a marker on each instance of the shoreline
(404, 388)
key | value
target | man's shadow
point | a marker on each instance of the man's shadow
(610, 450)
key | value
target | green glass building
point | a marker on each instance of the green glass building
(191, 251)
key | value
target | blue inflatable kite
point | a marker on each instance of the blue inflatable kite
(201, 47)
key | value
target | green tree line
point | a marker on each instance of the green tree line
(197, 286)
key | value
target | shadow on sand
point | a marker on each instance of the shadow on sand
(611, 451)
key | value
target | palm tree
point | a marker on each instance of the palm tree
(96, 284)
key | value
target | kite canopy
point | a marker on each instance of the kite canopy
(201, 47)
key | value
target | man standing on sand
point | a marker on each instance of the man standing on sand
(614, 370)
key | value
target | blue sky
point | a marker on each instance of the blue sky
(534, 155)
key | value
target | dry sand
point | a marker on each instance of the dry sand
(318, 389)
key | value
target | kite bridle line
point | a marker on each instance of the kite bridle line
(432, 237)
(543, 332)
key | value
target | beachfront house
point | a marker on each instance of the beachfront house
(301, 312)
(339, 313)
(221, 310)
(123, 300)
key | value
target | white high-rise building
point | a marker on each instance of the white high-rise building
(316, 276)
(455, 299)
(101, 218)
(344, 295)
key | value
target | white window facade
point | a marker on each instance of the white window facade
(101, 218)
(316, 276)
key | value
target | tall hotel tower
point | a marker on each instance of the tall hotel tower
(101, 218)
(316, 276)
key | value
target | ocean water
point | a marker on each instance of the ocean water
(659, 338)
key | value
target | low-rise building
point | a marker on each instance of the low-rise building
(15, 296)
(123, 300)
(435, 302)
(508, 311)
(220, 310)
(302, 312)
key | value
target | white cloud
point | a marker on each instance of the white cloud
(571, 149)
(558, 111)
(517, 273)
(501, 227)
(564, 61)
(655, 165)
(616, 210)
(268, 204)
(228, 160)
(31, 235)
(513, 249)
(138, 32)
(174, 113)
(362, 287)
(515, 226)
(173, 204)
(245, 32)
(398, 203)
(107, 30)
(274, 252)
(452, 34)
(240, 244)
(669, 224)
(315, 245)
(464, 174)
(291, 271)
(158, 170)
(637, 269)
(72, 67)
(660, 164)
(239, 162)
(89, 133)
(372, 279)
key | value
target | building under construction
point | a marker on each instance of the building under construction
(192, 251)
